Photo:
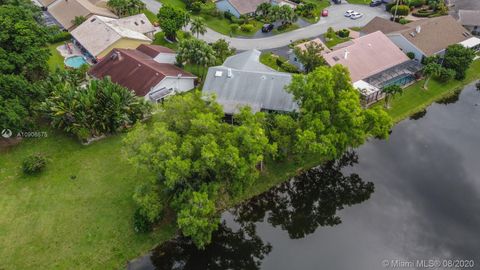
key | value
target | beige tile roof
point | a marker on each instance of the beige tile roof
(98, 33)
(46, 3)
(65, 11)
(469, 17)
(383, 25)
(367, 55)
(247, 6)
(435, 34)
(138, 23)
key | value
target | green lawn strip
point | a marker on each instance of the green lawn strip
(335, 41)
(56, 59)
(415, 99)
(320, 5)
(152, 17)
(269, 59)
(359, 2)
(75, 215)
(290, 27)
(174, 3)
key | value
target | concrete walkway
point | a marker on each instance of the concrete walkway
(335, 20)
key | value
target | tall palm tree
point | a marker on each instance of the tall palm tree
(390, 92)
(198, 27)
(431, 69)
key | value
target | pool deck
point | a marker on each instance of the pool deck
(62, 49)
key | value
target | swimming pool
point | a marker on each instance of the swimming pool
(75, 61)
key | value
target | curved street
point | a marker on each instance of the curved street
(335, 20)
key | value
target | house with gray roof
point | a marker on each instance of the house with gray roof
(470, 19)
(243, 81)
(248, 7)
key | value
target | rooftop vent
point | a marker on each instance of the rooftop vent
(413, 34)
(418, 29)
(94, 19)
(142, 21)
(346, 54)
(229, 73)
(218, 73)
(336, 58)
(136, 23)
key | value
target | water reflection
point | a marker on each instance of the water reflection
(309, 200)
(419, 115)
(299, 207)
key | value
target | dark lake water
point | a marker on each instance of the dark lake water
(413, 197)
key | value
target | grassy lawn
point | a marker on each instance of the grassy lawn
(335, 41)
(152, 17)
(320, 5)
(290, 27)
(52, 221)
(56, 59)
(415, 99)
(359, 2)
(270, 59)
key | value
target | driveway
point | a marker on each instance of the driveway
(335, 20)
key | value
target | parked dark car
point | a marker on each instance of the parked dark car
(267, 27)
(375, 3)
(337, 1)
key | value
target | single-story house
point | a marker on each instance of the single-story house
(374, 60)
(243, 81)
(248, 7)
(99, 35)
(425, 37)
(292, 57)
(139, 71)
(65, 11)
(470, 19)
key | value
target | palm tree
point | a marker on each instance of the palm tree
(263, 9)
(390, 92)
(198, 26)
(431, 69)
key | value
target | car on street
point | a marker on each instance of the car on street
(356, 15)
(375, 3)
(267, 27)
(348, 13)
(337, 2)
(324, 13)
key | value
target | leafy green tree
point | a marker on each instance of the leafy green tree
(198, 218)
(458, 58)
(310, 57)
(330, 33)
(198, 26)
(431, 69)
(193, 151)
(172, 19)
(331, 117)
(196, 52)
(78, 20)
(286, 15)
(22, 43)
(390, 92)
(126, 7)
(222, 50)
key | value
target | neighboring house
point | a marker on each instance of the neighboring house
(243, 81)
(470, 19)
(425, 37)
(138, 71)
(248, 7)
(302, 46)
(65, 11)
(374, 62)
(99, 35)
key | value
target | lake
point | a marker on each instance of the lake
(410, 202)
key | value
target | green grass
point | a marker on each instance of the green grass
(56, 59)
(289, 28)
(359, 2)
(174, 3)
(50, 221)
(415, 98)
(335, 41)
(320, 5)
(270, 59)
(152, 17)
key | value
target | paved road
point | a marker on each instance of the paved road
(335, 20)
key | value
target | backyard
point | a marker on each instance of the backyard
(56, 59)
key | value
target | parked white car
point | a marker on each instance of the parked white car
(356, 15)
(348, 13)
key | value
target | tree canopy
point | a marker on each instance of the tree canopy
(458, 58)
(310, 57)
(172, 19)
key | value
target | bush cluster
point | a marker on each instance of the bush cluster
(402, 10)
(344, 33)
(34, 163)
(285, 65)
(248, 28)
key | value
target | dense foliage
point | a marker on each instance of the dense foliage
(195, 52)
(222, 50)
(458, 58)
(34, 163)
(126, 7)
(98, 108)
(310, 57)
(172, 19)
(23, 61)
(194, 152)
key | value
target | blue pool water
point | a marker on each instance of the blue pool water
(75, 61)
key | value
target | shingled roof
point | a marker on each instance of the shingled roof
(65, 11)
(247, 6)
(469, 17)
(383, 25)
(135, 70)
